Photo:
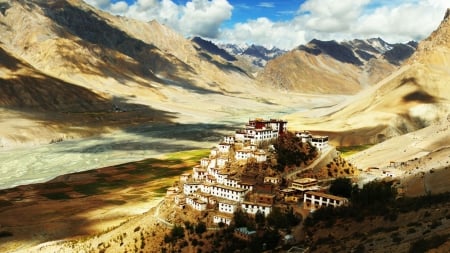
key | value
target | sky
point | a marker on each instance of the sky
(287, 24)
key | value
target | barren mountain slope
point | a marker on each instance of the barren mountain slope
(411, 98)
(142, 68)
(335, 68)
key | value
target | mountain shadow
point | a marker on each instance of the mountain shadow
(88, 26)
(333, 49)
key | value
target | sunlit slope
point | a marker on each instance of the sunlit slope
(411, 98)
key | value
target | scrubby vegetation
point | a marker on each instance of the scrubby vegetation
(350, 150)
(375, 217)
(293, 152)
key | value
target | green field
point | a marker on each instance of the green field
(159, 172)
(350, 150)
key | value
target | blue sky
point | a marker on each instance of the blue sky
(287, 24)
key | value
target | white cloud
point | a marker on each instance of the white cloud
(262, 31)
(202, 17)
(196, 17)
(392, 20)
(330, 16)
(266, 4)
(402, 22)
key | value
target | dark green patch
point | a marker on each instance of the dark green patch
(350, 150)
(117, 202)
(55, 185)
(5, 234)
(5, 203)
(56, 195)
(88, 189)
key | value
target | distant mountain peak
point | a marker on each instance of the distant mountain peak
(213, 48)
(332, 48)
(358, 51)
(258, 54)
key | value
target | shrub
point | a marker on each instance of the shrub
(424, 245)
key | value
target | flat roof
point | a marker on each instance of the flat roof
(324, 195)
(223, 215)
(256, 203)
(305, 180)
(288, 190)
(229, 188)
(226, 201)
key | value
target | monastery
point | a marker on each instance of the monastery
(217, 187)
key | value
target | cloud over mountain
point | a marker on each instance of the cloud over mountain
(297, 23)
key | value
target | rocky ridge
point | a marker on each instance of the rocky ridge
(340, 68)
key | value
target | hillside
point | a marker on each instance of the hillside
(335, 68)
(410, 98)
(95, 62)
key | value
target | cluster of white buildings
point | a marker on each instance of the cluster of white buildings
(214, 186)
(318, 141)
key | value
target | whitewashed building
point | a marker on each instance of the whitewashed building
(253, 208)
(191, 187)
(272, 180)
(228, 139)
(314, 200)
(227, 192)
(196, 203)
(260, 156)
(199, 173)
(243, 154)
(226, 206)
(222, 218)
(224, 148)
(320, 142)
(222, 161)
(204, 162)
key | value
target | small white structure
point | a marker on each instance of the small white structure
(224, 148)
(304, 136)
(228, 139)
(196, 203)
(185, 177)
(222, 218)
(204, 162)
(233, 182)
(199, 173)
(272, 180)
(222, 161)
(320, 142)
(260, 156)
(226, 206)
(191, 187)
(314, 200)
(253, 208)
(227, 192)
(243, 154)
(214, 151)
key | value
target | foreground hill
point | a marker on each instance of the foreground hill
(411, 98)
(335, 68)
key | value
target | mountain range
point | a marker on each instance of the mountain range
(68, 70)
(339, 68)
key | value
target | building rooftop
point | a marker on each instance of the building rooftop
(229, 188)
(324, 195)
(305, 180)
(256, 203)
(244, 230)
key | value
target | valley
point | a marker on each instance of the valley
(102, 117)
